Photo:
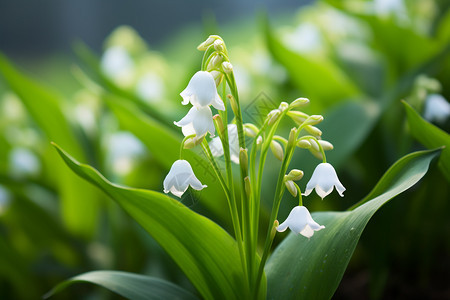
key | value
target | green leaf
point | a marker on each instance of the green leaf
(312, 269)
(164, 144)
(129, 285)
(79, 200)
(206, 253)
(430, 136)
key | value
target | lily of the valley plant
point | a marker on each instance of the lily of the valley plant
(202, 94)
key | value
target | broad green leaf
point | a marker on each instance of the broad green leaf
(311, 74)
(206, 253)
(164, 144)
(79, 200)
(312, 269)
(430, 136)
(129, 285)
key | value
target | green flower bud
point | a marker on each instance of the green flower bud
(305, 144)
(209, 41)
(314, 131)
(219, 124)
(243, 160)
(247, 186)
(291, 187)
(292, 137)
(250, 129)
(298, 117)
(299, 102)
(277, 150)
(313, 120)
(233, 104)
(294, 175)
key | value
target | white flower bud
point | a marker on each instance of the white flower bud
(259, 140)
(209, 41)
(283, 106)
(219, 46)
(227, 67)
(215, 62)
(273, 116)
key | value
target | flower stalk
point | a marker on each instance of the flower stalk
(244, 207)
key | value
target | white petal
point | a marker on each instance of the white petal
(283, 226)
(196, 184)
(197, 121)
(307, 232)
(216, 147)
(340, 188)
(218, 103)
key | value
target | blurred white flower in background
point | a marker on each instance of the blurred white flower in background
(386, 8)
(123, 152)
(305, 38)
(150, 87)
(5, 199)
(117, 64)
(437, 108)
(23, 163)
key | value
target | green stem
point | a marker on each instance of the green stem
(182, 144)
(246, 203)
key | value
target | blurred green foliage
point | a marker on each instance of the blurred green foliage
(354, 60)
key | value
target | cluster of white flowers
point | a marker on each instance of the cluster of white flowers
(201, 92)
(323, 180)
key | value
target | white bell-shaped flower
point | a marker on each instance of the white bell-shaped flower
(323, 180)
(437, 109)
(197, 121)
(300, 221)
(233, 140)
(201, 91)
(180, 177)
